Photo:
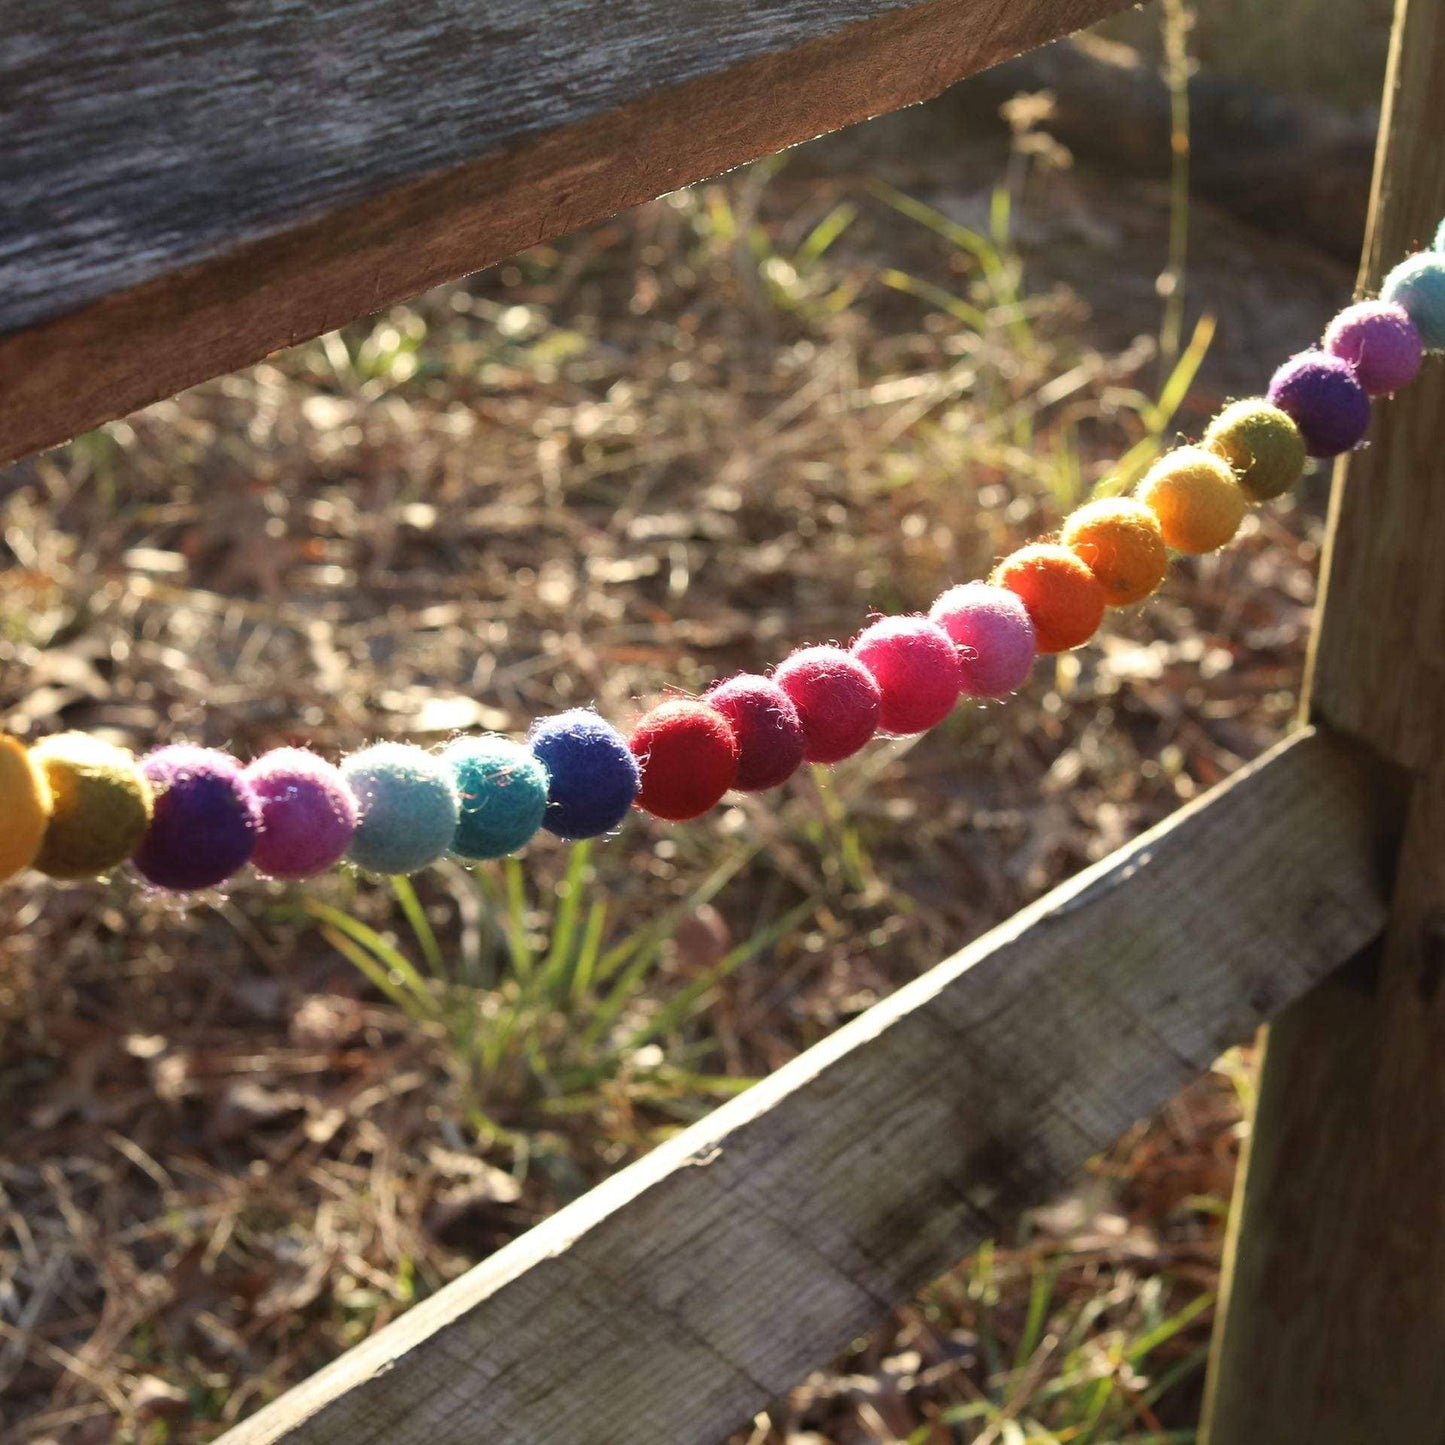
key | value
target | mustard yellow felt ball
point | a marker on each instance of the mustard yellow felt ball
(101, 805)
(1120, 541)
(24, 808)
(1196, 499)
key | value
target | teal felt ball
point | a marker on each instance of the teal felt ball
(1418, 284)
(407, 805)
(503, 792)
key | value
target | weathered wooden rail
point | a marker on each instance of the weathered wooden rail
(187, 188)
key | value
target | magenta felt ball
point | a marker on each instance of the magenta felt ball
(1328, 404)
(994, 635)
(769, 731)
(205, 823)
(915, 665)
(1381, 344)
(308, 814)
(837, 701)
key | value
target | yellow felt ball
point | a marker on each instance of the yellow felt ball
(24, 808)
(1196, 499)
(1120, 541)
(101, 805)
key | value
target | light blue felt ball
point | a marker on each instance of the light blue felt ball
(1418, 284)
(408, 806)
(503, 791)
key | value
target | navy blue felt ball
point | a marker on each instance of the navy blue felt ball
(593, 777)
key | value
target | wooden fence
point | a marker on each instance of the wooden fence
(196, 186)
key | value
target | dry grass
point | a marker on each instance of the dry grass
(663, 450)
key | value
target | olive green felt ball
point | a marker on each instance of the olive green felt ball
(102, 805)
(1263, 446)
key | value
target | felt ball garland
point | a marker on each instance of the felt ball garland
(189, 818)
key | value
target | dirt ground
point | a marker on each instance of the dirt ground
(660, 451)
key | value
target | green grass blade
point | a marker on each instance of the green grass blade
(557, 966)
(386, 954)
(420, 926)
(366, 965)
(936, 296)
(590, 951)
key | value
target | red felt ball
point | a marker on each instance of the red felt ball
(688, 757)
(836, 698)
(915, 665)
(768, 729)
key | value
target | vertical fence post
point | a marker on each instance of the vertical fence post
(1331, 1327)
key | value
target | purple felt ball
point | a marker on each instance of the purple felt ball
(1328, 404)
(206, 819)
(994, 635)
(1381, 343)
(308, 814)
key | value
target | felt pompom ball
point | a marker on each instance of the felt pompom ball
(993, 634)
(688, 756)
(767, 727)
(308, 814)
(915, 664)
(1380, 343)
(1418, 285)
(1439, 238)
(1119, 539)
(24, 807)
(1328, 404)
(1195, 497)
(204, 822)
(407, 808)
(102, 805)
(837, 699)
(1064, 599)
(503, 790)
(1262, 444)
(592, 776)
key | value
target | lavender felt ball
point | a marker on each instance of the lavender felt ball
(1328, 404)
(206, 819)
(308, 814)
(994, 635)
(1381, 344)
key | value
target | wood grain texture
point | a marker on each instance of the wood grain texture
(1379, 653)
(1333, 1325)
(677, 1299)
(201, 185)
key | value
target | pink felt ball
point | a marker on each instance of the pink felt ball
(768, 729)
(308, 814)
(915, 665)
(994, 635)
(837, 701)
(1381, 344)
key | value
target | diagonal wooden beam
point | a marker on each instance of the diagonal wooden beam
(195, 186)
(677, 1299)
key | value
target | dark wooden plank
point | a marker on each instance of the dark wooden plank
(674, 1301)
(193, 187)
(1334, 1326)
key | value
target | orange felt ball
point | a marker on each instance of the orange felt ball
(1065, 601)
(1120, 541)
(1196, 499)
